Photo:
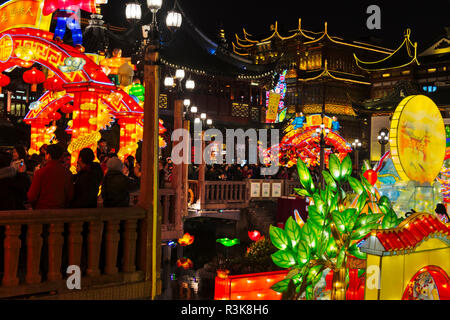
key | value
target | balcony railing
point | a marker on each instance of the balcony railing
(38, 246)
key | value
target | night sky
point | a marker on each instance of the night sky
(346, 18)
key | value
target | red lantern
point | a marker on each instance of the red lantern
(34, 77)
(371, 176)
(67, 108)
(54, 84)
(4, 81)
(54, 116)
(254, 235)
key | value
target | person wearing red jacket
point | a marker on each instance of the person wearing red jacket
(52, 186)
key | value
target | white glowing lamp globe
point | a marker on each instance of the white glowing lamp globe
(180, 74)
(203, 116)
(133, 11)
(187, 102)
(173, 20)
(194, 109)
(190, 84)
(154, 5)
(168, 82)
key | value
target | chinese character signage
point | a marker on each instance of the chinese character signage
(23, 14)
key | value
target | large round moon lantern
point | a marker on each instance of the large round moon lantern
(418, 140)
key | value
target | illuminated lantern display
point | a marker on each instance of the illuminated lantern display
(254, 235)
(4, 81)
(302, 141)
(67, 17)
(185, 263)
(67, 108)
(228, 242)
(371, 176)
(34, 77)
(223, 274)
(137, 90)
(55, 116)
(186, 240)
(54, 84)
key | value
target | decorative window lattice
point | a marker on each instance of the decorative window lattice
(255, 114)
(163, 101)
(239, 110)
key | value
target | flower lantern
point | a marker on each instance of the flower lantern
(185, 263)
(54, 84)
(186, 240)
(254, 235)
(34, 77)
(4, 81)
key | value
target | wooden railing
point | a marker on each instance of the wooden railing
(226, 192)
(38, 246)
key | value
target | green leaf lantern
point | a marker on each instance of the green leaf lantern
(228, 242)
(279, 238)
(305, 176)
(335, 167)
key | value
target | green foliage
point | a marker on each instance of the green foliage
(332, 231)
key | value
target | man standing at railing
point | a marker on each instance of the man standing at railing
(52, 186)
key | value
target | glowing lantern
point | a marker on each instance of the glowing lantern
(54, 116)
(34, 77)
(54, 84)
(185, 263)
(223, 274)
(371, 176)
(67, 108)
(254, 235)
(4, 80)
(228, 242)
(186, 240)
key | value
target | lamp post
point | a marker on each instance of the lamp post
(150, 255)
(357, 146)
(322, 132)
(383, 140)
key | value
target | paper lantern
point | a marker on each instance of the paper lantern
(67, 108)
(185, 263)
(54, 116)
(54, 84)
(186, 240)
(4, 80)
(371, 176)
(34, 77)
(254, 235)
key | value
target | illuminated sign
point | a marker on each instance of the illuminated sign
(6, 48)
(22, 14)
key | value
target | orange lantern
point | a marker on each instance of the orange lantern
(185, 263)
(186, 240)
(34, 77)
(54, 84)
(4, 81)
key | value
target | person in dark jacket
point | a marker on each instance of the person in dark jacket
(87, 181)
(14, 184)
(115, 188)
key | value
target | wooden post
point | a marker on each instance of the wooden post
(150, 228)
(201, 174)
(34, 247)
(177, 173)
(11, 255)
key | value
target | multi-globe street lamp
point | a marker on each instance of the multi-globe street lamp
(357, 145)
(383, 140)
(151, 252)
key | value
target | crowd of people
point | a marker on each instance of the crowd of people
(44, 180)
(241, 172)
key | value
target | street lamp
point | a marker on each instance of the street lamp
(356, 146)
(149, 257)
(383, 140)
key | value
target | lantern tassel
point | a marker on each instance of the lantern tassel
(33, 87)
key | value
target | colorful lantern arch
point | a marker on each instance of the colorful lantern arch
(96, 100)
